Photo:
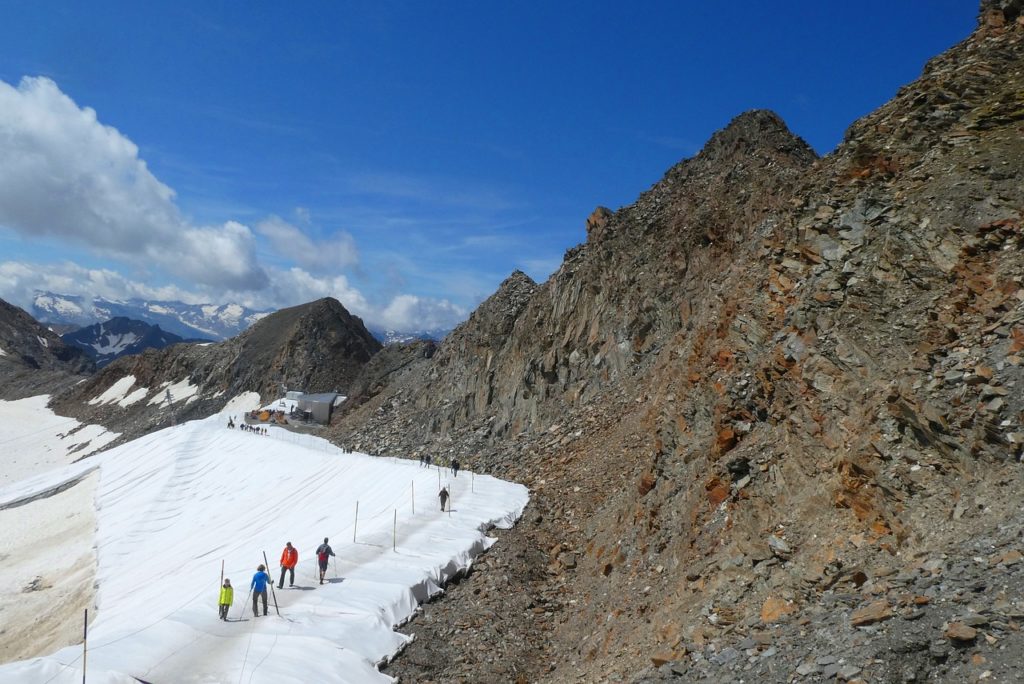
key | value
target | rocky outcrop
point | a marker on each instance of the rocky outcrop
(315, 347)
(33, 359)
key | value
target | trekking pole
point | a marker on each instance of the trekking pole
(220, 585)
(334, 561)
(272, 592)
(355, 523)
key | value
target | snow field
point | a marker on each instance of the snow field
(34, 439)
(174, 504)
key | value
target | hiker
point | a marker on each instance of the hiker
(443, 495)
(289, 557)
(259, 588)
(323, 553)
(227, 597)
(427, 457)
(455, 467)
(422, 461)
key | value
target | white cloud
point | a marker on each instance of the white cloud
(409, 312)
(68, 176)
(317, 256)
(19, 282)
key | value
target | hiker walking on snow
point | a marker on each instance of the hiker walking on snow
(323, 553)
(289, 558)
(443, 495)
(259, 588)
(227, 597)
(455, 467)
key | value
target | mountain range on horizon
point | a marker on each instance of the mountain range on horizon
(66, 313)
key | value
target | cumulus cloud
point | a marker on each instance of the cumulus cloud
(409, 312)
(68, 176)
(19, 282)
(316, 256)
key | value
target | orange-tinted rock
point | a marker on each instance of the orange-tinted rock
(871, 613)
(646, 483)
(958, 631)
(774, 609)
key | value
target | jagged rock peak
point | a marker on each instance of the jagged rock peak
(754, 131)
(1000, 13)
(496, 315)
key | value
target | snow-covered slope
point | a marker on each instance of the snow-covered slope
(174, 504)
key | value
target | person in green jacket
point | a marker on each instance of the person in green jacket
(227, 597)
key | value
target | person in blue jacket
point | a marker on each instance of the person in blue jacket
(259, 588)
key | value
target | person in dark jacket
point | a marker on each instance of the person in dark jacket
(259, 588)
(455, 467)
(323, 554)
(443, 495)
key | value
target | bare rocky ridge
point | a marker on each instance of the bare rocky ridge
(771, 414)
(314, 347)
(35, 360)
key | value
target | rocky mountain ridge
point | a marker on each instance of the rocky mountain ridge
(188, 321)
(770, 413)
(33, 359)
(313, 347)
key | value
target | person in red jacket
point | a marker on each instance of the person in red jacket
(289, 558)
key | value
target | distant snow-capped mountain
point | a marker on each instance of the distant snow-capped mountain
(188, 321)
(104, 342)
(403, 337)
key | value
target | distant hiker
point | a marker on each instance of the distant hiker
(259, 588)
(323, 554)
(227, 597)
(443, 495)
(455, 467)
(289, 557)
(230, 424)
(427, 459)
(423, 461)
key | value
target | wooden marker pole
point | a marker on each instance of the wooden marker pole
(219, 586)
(85, 641)
(356, 523)
(271, 583)
(414, 497)
(438, 477)
(472, 482)
(394, 533)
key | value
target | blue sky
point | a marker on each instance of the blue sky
(404, 157)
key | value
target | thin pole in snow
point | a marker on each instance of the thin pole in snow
(414, 497)
(271, 583)
(85, 641)
(394, 533)
(355, 523)
(439, 476)
(220, 585)
(472, 482)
